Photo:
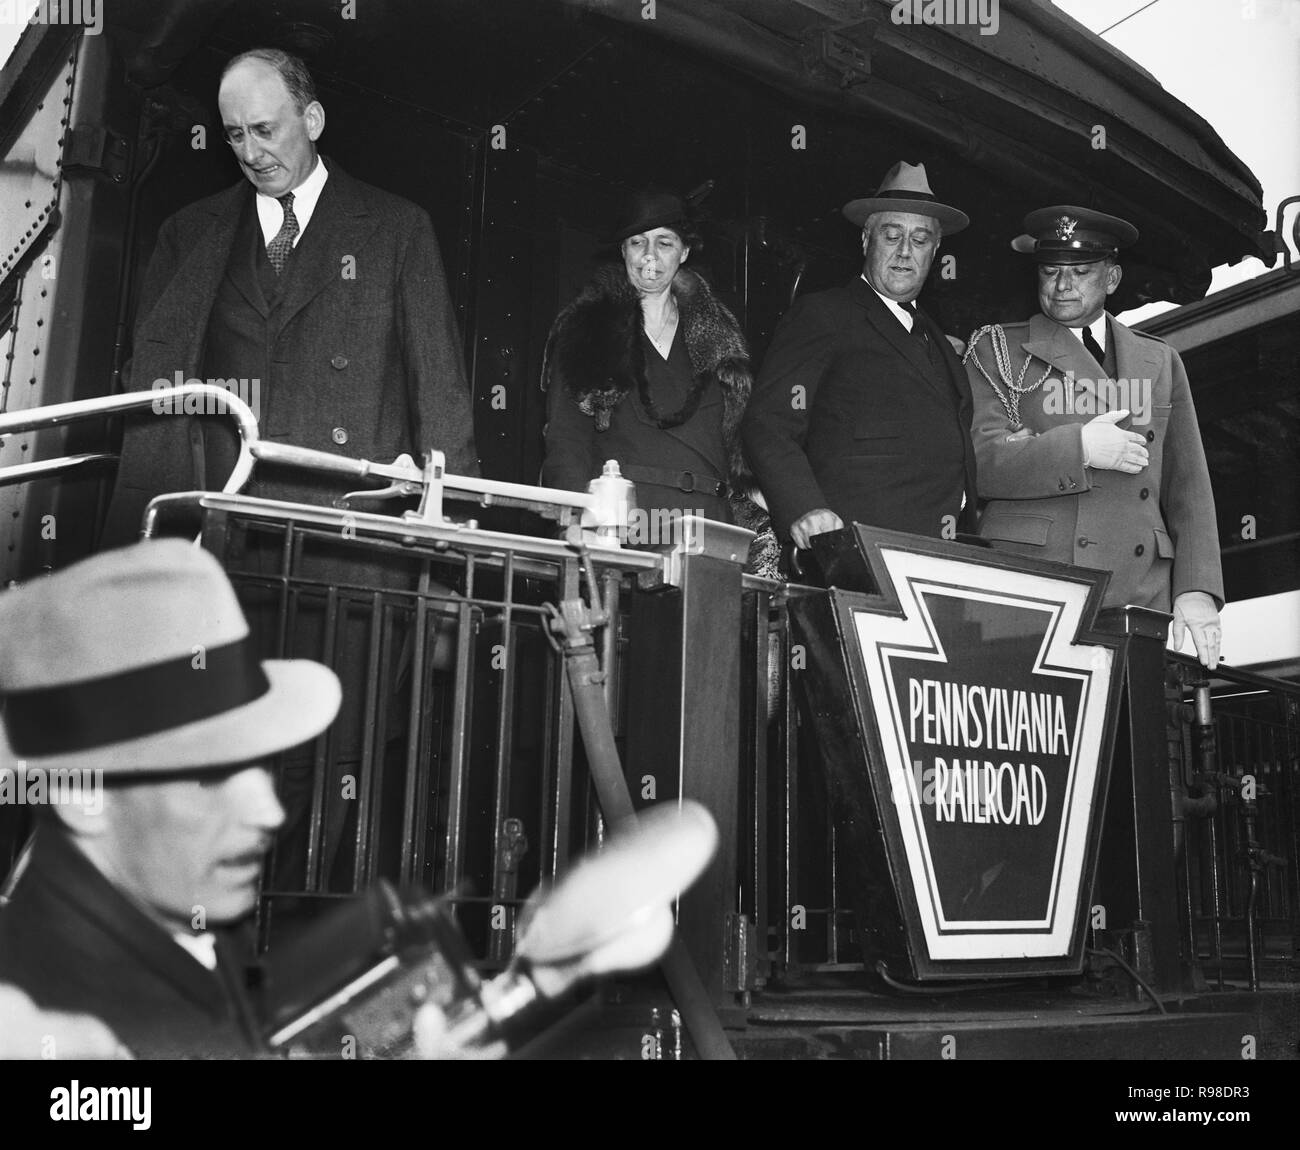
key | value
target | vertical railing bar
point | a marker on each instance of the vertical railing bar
(325, 757)
(790, 741)
(409, 868)
(501, 762)
(457, 798)
(550, 734)
(424, 759)
(762, 623)
(372, 764)
(561, 844)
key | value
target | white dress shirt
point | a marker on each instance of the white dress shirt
(271, 215)
(905, 317)
(1098, 329)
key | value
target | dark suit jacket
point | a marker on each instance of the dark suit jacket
(364, 341)
(73, 942)
(849, 413)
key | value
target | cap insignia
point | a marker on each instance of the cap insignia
(1065, 226)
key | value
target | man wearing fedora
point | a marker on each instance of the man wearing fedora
(862, 412)
(134, 673)
(1086, 435)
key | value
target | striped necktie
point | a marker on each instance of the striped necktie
(277, 251)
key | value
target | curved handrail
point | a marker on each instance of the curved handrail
(58, 414)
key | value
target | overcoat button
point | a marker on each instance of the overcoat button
(1151, 435)
(339, 435)
(339, 362)
(1138, 549)
(1145, 493)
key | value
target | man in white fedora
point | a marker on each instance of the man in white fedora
(138, 721)
(862, 411)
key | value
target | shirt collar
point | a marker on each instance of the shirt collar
(903, 313)
(202, 946)
(305, 197)
(1098, 329)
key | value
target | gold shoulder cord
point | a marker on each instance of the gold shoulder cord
(1015, 389)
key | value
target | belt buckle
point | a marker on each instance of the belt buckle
(683, 479)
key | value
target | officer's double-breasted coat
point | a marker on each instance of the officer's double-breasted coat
(1155, 531)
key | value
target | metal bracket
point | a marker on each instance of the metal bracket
(1275, 240)
(740, 955)
(94, 148)
(850, 58)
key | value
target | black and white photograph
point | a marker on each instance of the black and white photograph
(649, 530)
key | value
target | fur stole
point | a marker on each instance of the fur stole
(594, 352)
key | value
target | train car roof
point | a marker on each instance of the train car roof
(1032, 109)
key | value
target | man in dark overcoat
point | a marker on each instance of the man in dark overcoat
(328, 292)
(322, 300)
(862, 412)
(138, 721)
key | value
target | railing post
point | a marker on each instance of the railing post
(684, 718)
(1136, 877)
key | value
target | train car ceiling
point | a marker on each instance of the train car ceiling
(791, 106)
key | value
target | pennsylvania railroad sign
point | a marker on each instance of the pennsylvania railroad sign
(991, 722)
(981, 726)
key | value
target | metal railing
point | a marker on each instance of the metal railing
(1235, 773)
(1235, 778)
(453, 764)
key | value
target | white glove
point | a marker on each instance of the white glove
(1111, 448)
(1195, 611)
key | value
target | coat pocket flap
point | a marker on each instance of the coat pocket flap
(1013, 527)
(1164, 545)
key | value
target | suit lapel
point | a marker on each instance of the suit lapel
(1135, 358)
(888, 326)
(79, 883)
(243, 261)
(1057, 345)
(197, 278)
(339, 228)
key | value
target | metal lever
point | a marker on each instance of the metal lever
(398, 489)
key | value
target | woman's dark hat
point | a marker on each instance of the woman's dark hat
(1066, 234)
(906, 189)
(647, 210)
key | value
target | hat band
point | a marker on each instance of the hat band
(898, 195)
(146, 701)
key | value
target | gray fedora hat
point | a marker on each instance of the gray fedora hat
(905, 188)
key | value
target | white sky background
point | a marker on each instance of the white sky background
(1234, 62)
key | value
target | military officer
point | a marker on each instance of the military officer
(1086, 438)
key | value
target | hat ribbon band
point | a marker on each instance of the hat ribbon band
(901, 195)
(146, 701)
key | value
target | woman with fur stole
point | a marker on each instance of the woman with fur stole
(647, 366)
